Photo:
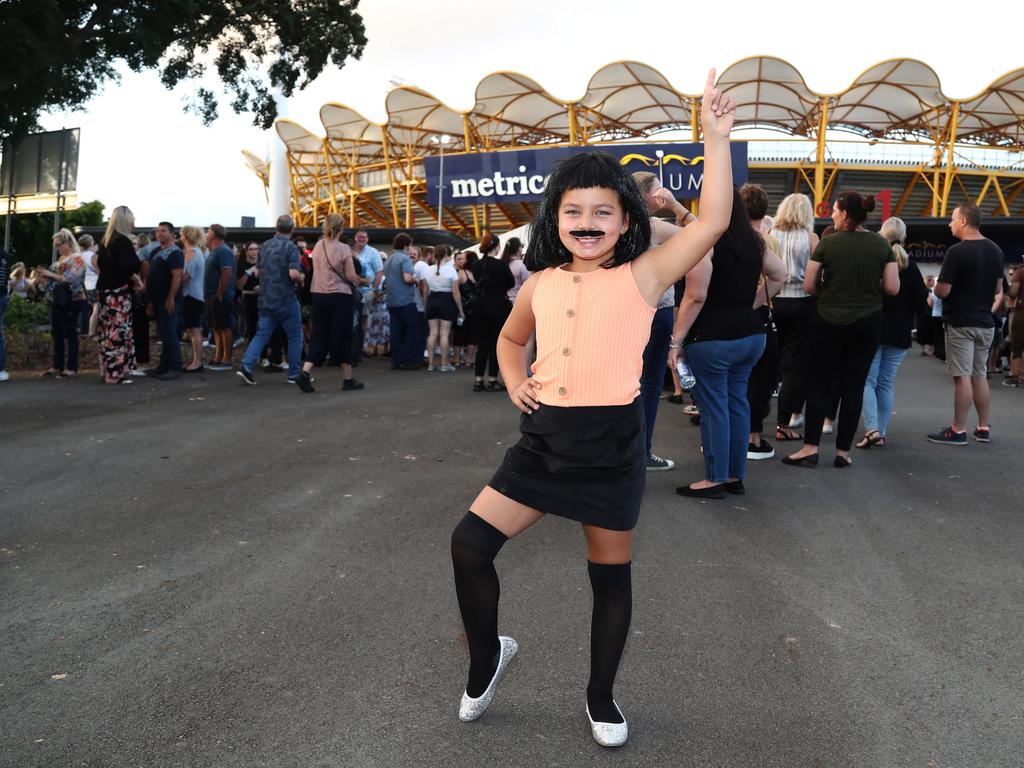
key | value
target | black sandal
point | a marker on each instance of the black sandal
(787, 434)
(871, 437)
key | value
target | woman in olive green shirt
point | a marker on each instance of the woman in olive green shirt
(848, 272)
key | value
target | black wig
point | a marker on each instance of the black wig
(584, 171)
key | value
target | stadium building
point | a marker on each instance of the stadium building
(892, 133)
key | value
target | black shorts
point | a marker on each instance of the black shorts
(219, 313)
(441, 306)
(192, 313)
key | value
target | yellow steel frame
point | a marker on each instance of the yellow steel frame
(387, 188)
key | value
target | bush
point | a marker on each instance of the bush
(27, 332)
(26, 316)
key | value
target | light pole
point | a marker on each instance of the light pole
(441, 140)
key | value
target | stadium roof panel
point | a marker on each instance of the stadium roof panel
(996, 115)
(629, 99)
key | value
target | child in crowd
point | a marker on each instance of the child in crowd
(582, 453)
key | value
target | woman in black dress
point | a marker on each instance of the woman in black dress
(494, 280)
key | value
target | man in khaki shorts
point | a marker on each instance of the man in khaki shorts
(970, 285)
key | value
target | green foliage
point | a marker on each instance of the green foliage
(58, 53)
(31, 233)
(25, 316)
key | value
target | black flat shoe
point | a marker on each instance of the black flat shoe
(735, 487)
(494, 386)
(842, 462)
(810, 460)
(713, 492)
(675, 399)
(478, 386)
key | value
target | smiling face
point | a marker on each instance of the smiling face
(164, 235)
(590, 222)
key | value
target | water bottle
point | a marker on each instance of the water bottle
(459, 321)
(686, 379)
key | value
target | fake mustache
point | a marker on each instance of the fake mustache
(586, 233)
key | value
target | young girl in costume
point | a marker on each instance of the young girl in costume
(582, 453)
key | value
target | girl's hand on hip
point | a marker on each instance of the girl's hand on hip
(524, 397)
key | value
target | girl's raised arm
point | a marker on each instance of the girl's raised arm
(663, 265)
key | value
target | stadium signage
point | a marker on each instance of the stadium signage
(515, 176)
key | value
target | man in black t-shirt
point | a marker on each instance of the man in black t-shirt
(970, 285)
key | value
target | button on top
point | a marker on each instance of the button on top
(566, 351)
(577, 279)
(563, 391)
(570, 313)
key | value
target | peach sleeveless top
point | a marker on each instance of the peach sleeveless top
(592, 329)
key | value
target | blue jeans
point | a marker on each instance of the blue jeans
(655, 363)
(405, 335)
(722, 369)
(170, 340)
(3, 343)
(878, 388)
(289, 318)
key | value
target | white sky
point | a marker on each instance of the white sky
(139, 149)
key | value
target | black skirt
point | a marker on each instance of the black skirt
(586, 464)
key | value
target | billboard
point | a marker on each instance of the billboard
(515, 176)
(42, 165)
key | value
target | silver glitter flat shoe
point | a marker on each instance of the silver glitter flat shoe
(609, 734)
(470, 708)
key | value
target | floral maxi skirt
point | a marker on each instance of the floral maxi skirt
(117, 344)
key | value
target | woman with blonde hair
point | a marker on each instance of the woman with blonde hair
(333, 301)
(192, 309)
(64, 287)
(118, 267)
(793, 309)
(898, 313)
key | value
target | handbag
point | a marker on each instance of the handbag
(769, 323)
(62, 295)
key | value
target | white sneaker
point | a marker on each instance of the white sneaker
(4, 375)
(138, 373)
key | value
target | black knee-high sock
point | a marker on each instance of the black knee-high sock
(475, 543)
(613, 608)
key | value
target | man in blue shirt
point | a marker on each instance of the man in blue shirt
(163, 289)
(279, 272)
(400, 295)
(219, 296)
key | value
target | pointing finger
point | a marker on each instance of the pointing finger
(711, 80)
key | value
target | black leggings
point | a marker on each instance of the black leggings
(488, 328)
(794, 318)
(761, 383)
(840, 354)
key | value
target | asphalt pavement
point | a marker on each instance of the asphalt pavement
(200, 573)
